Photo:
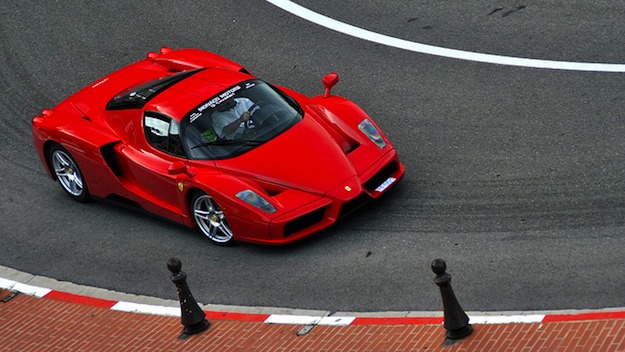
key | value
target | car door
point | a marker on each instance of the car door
(148, 164)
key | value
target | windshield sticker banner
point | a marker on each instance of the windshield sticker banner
(214, 102)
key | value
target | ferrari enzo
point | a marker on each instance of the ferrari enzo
(193, 137)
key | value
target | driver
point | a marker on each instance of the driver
(233, 116)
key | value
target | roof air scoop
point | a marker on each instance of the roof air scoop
(154, 55)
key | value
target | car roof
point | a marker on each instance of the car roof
(176, 101)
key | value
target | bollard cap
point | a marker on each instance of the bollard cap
(174, 265)
(439, 266)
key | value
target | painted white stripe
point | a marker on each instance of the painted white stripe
(337, 321)
(293, 319)
(506, 319)
(146, 309)
(38, 292)
(308, 320)
(23, 288)
(6, 283)
(361, 33)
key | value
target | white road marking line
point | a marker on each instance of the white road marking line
(361, 33)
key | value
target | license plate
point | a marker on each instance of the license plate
(389, 181)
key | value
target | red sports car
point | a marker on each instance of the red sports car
(196, 138)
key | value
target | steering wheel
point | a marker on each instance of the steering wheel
(267, 115)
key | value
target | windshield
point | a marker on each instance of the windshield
(238, 120)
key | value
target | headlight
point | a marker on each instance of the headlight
(254, 199)
(372, 132)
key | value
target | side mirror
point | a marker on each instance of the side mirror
(179, 167)
(329, 81)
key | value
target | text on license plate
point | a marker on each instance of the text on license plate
(389, 181)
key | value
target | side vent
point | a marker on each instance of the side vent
(108, 154)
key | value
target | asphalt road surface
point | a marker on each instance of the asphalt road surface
(515, 175)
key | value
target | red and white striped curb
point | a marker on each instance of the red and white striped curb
(491, 318)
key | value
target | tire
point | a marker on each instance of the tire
(210, 219)
(68, 174)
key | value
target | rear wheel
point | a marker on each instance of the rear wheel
(210, 219)
(68, 174)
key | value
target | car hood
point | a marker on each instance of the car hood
(304, 157)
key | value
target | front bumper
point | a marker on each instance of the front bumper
(337, 203)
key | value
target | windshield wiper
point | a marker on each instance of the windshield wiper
(247, 142)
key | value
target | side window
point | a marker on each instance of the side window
(163, 133)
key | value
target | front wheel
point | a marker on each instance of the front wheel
(210, 219)
(68, 174)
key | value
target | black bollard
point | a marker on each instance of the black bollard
(456, 320)
(192, 316)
